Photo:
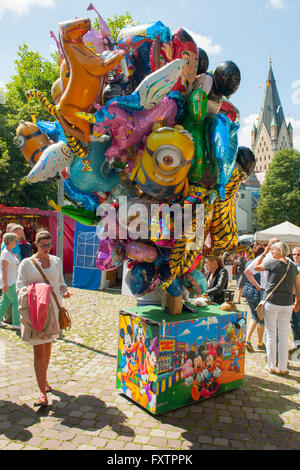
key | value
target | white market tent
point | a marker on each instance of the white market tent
(285, 232)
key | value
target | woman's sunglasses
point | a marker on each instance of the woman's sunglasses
(42, 245)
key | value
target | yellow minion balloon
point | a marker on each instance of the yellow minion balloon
(163, 168)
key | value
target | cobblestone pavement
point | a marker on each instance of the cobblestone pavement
(86, 412)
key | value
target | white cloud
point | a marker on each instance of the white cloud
(277, 4)
(212, 321)
(204, 42)
(245, 129)
(185, 333)
(22, 7)
(296, 93)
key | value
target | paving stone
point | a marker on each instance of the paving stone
(158, 433)
(158, 441)
(51, 444)
(141, 439)
(221, 442)
(132, 446)
(68, 446)
(205, 439)
(99, 443)
(115, 445)
(173, 443)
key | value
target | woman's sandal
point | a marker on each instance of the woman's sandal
(249, 347)
(41, 401)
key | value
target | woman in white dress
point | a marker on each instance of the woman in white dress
(29, 274)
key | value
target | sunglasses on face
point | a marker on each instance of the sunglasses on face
(42, 245)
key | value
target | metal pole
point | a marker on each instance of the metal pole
(60, 228)
(60, 222)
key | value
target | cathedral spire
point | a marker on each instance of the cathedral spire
(271, 108)
(272, 133)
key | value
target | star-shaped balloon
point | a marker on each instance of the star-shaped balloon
(86, 166)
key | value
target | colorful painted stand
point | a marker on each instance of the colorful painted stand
(167, 361)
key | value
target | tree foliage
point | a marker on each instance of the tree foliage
(280, 193)
(31, 71)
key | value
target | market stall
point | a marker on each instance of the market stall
(33, 220)
(285, 232)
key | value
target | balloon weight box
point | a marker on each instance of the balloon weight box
(167, 361)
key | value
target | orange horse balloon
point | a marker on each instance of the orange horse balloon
(87, 77)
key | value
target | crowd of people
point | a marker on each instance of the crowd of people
(273, 278)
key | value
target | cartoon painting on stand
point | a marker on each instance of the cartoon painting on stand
(137, 361)
(164, 366)
(208, 356)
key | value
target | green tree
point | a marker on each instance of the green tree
(280, 193)
(31, 71)
(4, 166)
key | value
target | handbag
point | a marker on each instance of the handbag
(260, 309)
(63, 317)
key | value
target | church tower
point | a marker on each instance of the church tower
(271, 133)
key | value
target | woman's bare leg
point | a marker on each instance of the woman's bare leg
(40, 368)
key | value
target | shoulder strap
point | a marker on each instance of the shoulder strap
(46, 280)
(271, 293)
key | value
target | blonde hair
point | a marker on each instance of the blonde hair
(282, 247)
(9, 238)
(16, 228)
(10, 227)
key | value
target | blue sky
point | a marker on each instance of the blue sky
(245, 31)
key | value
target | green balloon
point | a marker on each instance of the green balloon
(81, 215)
(195, 124)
